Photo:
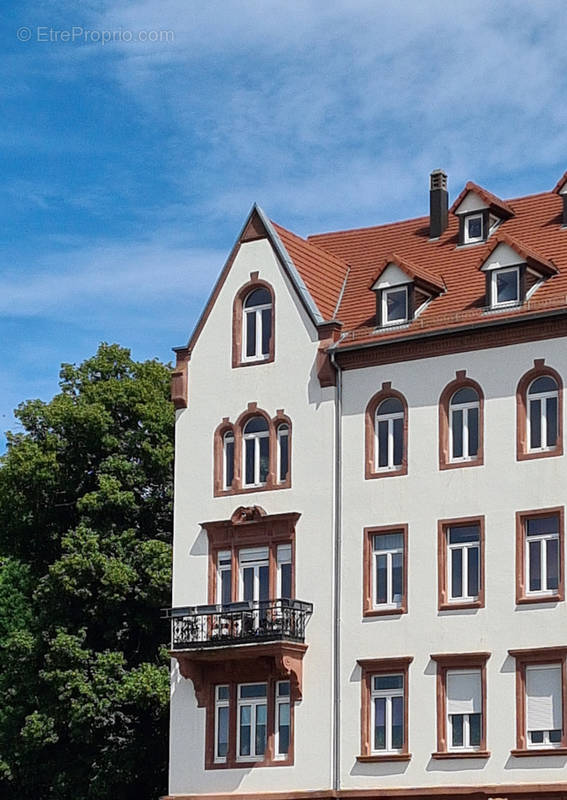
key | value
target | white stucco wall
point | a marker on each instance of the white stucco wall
(216, 390)
(496, 490)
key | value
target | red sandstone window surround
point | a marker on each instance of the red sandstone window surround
(386, 434)
(540, 562)
(461, 424)
(460, 563)
(539, 404)
(384, 708)
(384, 579)
(253, 324)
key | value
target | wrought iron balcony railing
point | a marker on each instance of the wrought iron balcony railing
(263, 621)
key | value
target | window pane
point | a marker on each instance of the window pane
(380, 723)
(535, 423)
(260, 730)
(555, 736)
(283, 689)
(266, 330)
(507, 286)
(397, 577)
(222, 692)
(259, 297)
(536, 737)
(283, 728)
(222, 731)
(392, 405)
(381, 579)
(264, 458)
(466, 395)
(535, 566)
(551, 413)
(398, 441)
(245, 730)
(285, 580)
(457, 724)
(253, 690)
(256, 425)
(541, 525)
(264, 583)
(396, 305)
(474, 729)
(397, 722)
(226, 587)
(388, 541)
(464, 534)
(249, 455)
(388, 682)
(543, 384)
(248, 581)
(473, 570)
(284, 457)
(456, 573)
(457, 431)
(473, 431)
(474, 227)
(229, 462)
(382, 444)
(251, 333)
(552, 564)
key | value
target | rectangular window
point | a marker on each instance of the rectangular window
(474, 228)
(283, 719)
(222, 712)
(388, 553)
(394, 305)
(283, 453)
(505, 286)
(464, 709)
(539, 556)
(224, 577)
(252, 720)
(387, 713)
(284, 564)
(461, 563)
(544, 706)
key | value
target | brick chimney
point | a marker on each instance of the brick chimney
(438, 203)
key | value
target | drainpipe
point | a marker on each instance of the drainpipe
(336, 728)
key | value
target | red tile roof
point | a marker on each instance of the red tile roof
(500, 207)
(419, 275)
(323, 261)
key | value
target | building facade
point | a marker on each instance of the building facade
(369, 549)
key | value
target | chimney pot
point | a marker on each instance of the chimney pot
(438, 203)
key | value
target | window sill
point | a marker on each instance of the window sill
(477, 462)
(266, 487)
(385, 612)
(254, 363)
(386, 473)
(539, 599)
(534, 752)
(460, 606)
(377, 759)
(528, 456)
(461, 754)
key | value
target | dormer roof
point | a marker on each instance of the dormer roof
(525, 254)
(498, 207)
(561, 185)
(420, 276)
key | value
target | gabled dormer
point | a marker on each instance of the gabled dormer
(402, 290)
(480, 213)
(513, 272)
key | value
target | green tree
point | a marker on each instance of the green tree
(85, 565)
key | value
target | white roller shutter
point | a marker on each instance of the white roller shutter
(284, 553)
(464, 692)
(543, 698)
(247, 554)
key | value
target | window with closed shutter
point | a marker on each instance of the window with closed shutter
(544, 707)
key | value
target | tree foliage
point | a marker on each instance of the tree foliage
(85, 565)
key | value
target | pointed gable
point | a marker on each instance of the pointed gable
(393, 267)
(475, 198)
(506, 251)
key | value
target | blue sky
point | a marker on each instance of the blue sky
(128, 166)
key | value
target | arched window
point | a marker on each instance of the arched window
(256, 452)
(283, 452)
(257, 325)
(543, 418)
(389, 435)
(461, 423)
(464, 413)
(228, 459)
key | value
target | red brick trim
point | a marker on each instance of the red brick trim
(460, 382)
(377, 666)
(180, 379)
(237, 316)
(521, 593)
(442, 563)
(450, 661)
(367, 566)
(525, 658)
(370, 470)
(539, 369)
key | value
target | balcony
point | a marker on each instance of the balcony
(238, 623)
(240, 641)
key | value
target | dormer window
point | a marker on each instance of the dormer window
(473, 228)
(395, 305)
(480, 213)
(505, 287)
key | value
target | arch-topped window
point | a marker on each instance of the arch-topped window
(461, 411)
(540, 417)
(386, 434)
(253, 324)
(256, 452)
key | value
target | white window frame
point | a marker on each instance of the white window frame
(389, 418)
(254, 702)
(226, 439)
(256, 565)
(543, 397)
(223, 568)
(256, 436)
(542, 538)
(494, 288)
(546, 743)
(221, 703)
(466, 746)
(280, 562)
(283, 432)
(387, 694)
(465, 408)
(473, 239)
(389, 553)
(384, 300)
(257, 312)
(464, 546)
(284, 700)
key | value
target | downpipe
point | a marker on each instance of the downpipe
(336, 726)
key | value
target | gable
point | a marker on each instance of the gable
(470, 203)
(392, 276)
(502, 256)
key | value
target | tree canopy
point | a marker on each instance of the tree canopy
(85, 565)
